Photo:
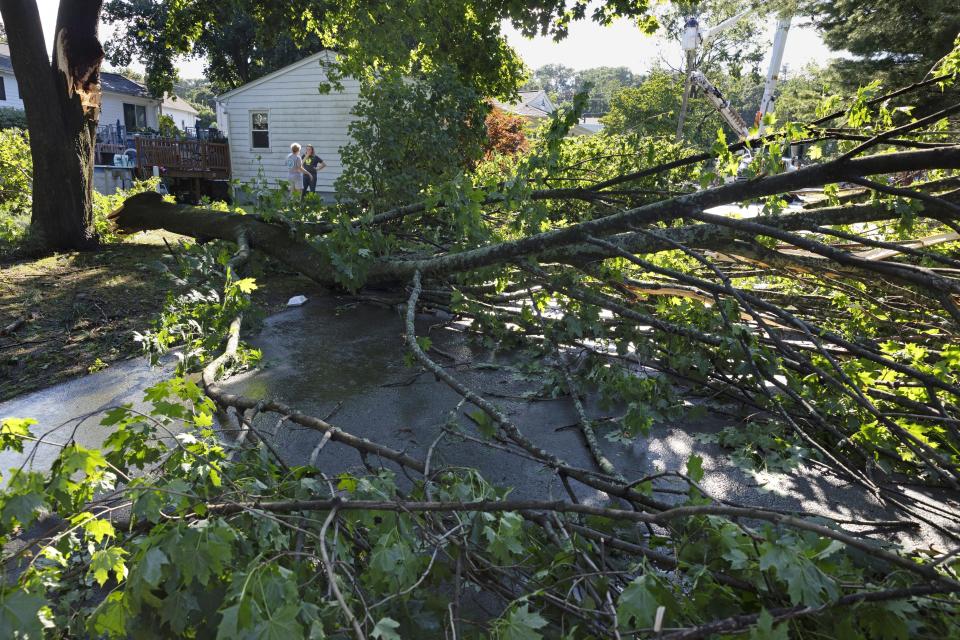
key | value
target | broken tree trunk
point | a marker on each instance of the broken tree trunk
(62, 102)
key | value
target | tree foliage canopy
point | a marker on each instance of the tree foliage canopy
(243, 40)
(237, 45)
(895, 41)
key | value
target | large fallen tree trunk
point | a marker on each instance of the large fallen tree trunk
(149, 211)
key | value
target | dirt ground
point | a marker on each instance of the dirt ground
(69, 314)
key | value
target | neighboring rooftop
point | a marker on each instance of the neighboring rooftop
(532, 104)
(536, 105)
(116, 83)
(171, 101)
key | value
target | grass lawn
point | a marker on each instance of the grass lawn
(74, 313)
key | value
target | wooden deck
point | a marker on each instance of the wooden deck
(183, 158)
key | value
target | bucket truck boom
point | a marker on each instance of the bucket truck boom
(695, 37)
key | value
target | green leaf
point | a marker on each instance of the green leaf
(96, 528)
(522, 624)
(766, 630)
(806, 584)
(13, 431)
(203, 420)
(21, 507)
(20, 615)
(695, 468)
(176, 609)
(504, 539)
(232, 620)
(888, 620)
(204, 552)
(484, 422)
(637, 606)
(281, 624)
(386, 629)
(346, 483)
(246, 285)
(106, 560)
(111, 617)
(151, 567)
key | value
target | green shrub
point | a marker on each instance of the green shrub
(167, 127)
(16, 179)
(12, 118)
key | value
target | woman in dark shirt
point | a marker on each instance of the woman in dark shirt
(312, 163)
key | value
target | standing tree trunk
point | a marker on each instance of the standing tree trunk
(61, 97)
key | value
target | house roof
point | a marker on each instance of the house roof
(112, 82)
(279, 72)
(521, 109)
(116, 83)
(525, 106)
(527, 96)
(171, 101)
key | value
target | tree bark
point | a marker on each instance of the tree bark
(61, 97)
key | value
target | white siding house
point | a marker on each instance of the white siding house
(126, 102)
(9, 93)
(262, 118)
(182, 112)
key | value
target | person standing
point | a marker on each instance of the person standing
(295, 171)
(312, 163)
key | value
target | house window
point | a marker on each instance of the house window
(3, 90)
(134, 117)
(260, 130)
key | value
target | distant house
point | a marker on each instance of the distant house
(532, 105)
(127, 102)
(182, 112)
(124, 101)
(191, 164)
(535, 106)
(262, 118)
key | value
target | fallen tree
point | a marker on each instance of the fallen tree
(832, 353)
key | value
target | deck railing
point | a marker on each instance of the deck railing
(183, 158)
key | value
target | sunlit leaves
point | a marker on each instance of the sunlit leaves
(16, 173)
(106, 561)
(13, 431)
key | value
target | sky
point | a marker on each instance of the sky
(588, 45)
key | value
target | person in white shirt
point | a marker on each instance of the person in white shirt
(295, 170)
